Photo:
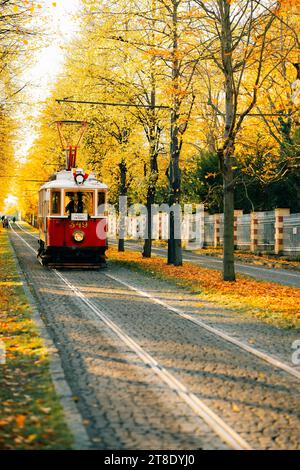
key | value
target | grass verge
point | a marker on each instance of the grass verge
(31, 416)
(270, 302)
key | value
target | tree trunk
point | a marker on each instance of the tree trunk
(228, 247)
(121, 244)
(174, 241)
(171, 244)
(228, 148)
(147, 250)
(153, 137)
(174, 244)
(122, 215)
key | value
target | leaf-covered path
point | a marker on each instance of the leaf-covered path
(30, 413)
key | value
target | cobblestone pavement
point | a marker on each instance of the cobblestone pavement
(124, 405)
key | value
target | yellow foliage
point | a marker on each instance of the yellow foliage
(121, 54)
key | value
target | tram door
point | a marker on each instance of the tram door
(43, 213)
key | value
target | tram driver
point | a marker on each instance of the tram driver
(80, 203)
(70, 207)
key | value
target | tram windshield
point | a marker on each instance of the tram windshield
(101, 207)
(79, 202)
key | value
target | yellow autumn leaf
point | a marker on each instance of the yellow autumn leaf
(45, 410)
(20, 421)
(235, 408)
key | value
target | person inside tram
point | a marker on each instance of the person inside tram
(70, 207)
(80, 203)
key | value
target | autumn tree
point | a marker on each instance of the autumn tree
(14, 35)
(133, 76)
(177, 53)
(240, 37)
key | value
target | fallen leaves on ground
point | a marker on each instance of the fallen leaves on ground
(30, 413)
(267, 300)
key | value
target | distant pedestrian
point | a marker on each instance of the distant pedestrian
(14, 219)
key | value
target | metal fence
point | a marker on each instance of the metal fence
(209, 225)
(244, 232)
(291, 234)
(266, 231)
(222, 229)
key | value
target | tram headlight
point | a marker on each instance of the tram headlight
(78, 236)
(79, 178)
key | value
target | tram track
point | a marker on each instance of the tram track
(220, 427)
(217, 424)
(270, 359)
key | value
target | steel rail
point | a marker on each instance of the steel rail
(223, 430)
(270, 359)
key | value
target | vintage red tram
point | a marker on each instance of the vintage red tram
(72, 218)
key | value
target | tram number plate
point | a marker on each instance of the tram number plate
(78, 224)
(79, 217)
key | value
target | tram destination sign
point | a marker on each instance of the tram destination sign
(79, 217)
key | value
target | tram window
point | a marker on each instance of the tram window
(55, 202)
(78, 202)
(101, 203)
(40, 205)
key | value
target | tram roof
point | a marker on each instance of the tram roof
(65, 179)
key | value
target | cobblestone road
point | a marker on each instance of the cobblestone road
(123, 403)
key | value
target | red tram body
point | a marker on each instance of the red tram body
(72, 220)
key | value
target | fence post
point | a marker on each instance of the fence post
(253, 231)
(217, 230)
(279, 214)
(237, 213)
